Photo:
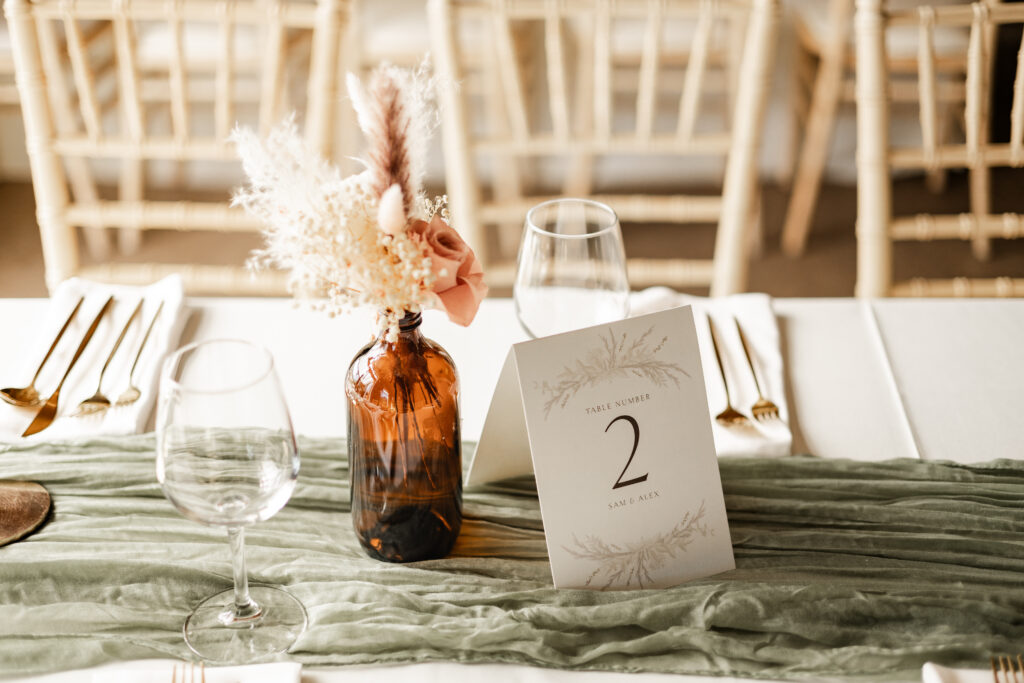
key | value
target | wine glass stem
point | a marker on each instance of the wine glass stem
(245, 607)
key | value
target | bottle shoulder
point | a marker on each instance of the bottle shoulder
(417, 361)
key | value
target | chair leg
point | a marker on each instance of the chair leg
(935, 178)
(980, 206)
(129, 239)
(813, 154)
(755, 247)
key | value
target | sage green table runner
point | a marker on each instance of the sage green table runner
(843, 569)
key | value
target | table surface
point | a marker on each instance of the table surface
(934, 379)
(867, 380)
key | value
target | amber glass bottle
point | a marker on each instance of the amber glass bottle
(405, 455)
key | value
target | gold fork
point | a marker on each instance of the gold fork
(1007, 670)
(764, 409)
(729, 416)
(189, 672)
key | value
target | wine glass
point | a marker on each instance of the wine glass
(572, 268)
(226, 456)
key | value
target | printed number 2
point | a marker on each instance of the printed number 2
(636, 440)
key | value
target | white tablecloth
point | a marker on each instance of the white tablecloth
(867, 380)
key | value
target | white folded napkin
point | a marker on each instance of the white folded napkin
(82, 381)
(160, 671)
(933, 673)
(754, 313)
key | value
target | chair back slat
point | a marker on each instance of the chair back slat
(223, 111)
(178, 80)
(82, 72)
(976, 108)
(272, 71)
(648, 82)
(689, 102)
(602, 70)
(511, 76)
(128, 77)
(926, 78)
(1017, 109)
(558, 95)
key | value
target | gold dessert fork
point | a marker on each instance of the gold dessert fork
(729, 416)
(28, 396)
(132, 393)
(1006, 670)
(764, 409)
(97, 403)
(189, 672)
(48, 412)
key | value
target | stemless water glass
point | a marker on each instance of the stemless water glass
(572, 268)
(226, 456)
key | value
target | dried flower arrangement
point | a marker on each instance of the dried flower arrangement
(369, 239)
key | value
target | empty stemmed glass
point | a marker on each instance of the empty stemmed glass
(571, 271)
(226, 456)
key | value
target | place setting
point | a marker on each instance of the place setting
(101, 350)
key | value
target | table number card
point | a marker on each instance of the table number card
(615, 418)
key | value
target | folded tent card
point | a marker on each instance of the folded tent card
(613, 420)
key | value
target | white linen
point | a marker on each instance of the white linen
(84, 377)
(754, 313)
(162, 670)
(934, 673)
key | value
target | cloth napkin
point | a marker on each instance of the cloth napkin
(934, 673)
(754, 312)
(161, 670)
(84, 377)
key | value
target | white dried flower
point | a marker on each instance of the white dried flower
(390, 213)
(322, 229)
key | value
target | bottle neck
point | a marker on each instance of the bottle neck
(408, 330)
(410, 322)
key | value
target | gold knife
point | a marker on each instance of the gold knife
(45, 416)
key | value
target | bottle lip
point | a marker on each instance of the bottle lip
(410, 321)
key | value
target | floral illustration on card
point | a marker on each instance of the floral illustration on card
(627, 565)
(617, 357)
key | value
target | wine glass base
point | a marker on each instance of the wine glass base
(212, 633)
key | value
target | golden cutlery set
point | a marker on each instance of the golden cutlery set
(97, 403)
(763, 410)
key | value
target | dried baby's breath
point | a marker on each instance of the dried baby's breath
(322, 227)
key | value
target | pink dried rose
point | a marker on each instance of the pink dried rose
(460, 279)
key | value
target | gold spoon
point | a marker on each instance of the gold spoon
(28, 396)
(132, 393)
(97, 403)
(48, 412)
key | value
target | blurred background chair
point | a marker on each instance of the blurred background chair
(880, 154)
(8, 90)
(584, 92)
(824, 75)
(144, 93)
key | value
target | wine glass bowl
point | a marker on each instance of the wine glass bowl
(227, 457)
(571, 270)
